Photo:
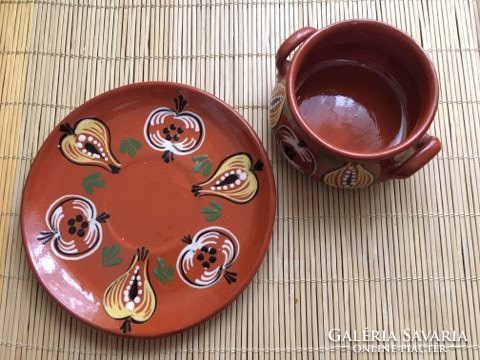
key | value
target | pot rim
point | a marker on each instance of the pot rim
(422, 124)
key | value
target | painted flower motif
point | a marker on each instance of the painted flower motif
(295, 150)
(350, 176)
(207, 257)
(276, 104)
(75, 230)
(174, 131)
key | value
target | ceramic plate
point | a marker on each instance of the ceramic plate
(148, 209)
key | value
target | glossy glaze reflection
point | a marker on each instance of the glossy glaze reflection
(105, 241)
(359, 98)
(353, 107)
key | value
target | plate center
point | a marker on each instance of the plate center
(150, 202)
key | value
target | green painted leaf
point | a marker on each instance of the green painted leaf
(212, 213)
(164, 274)
(198, 166)
(115, 261)
(199, 158)
(115, 249)
(92, 181)
(161, 262)
(160, 275)
(94, 176)
(123, 146)
(215, 205)
(87, 188)
(131, 150)
(207, 169)
(207, 210)
(109, 255)
(215, 216)
(136, 144)
(97, 183)
(129, 145)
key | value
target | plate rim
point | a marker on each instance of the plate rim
(261, 251)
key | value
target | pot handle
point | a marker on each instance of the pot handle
(425, 150)
(289, 45)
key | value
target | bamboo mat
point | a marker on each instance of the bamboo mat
(400, 255)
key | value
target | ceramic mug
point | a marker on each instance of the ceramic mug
(353, 106)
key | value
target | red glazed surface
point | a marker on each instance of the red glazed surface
(89, 219)
(354, 107)
(377, 46)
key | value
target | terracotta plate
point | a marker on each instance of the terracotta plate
(148, 209)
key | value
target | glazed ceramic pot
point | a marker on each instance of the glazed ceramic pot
(340, 76)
